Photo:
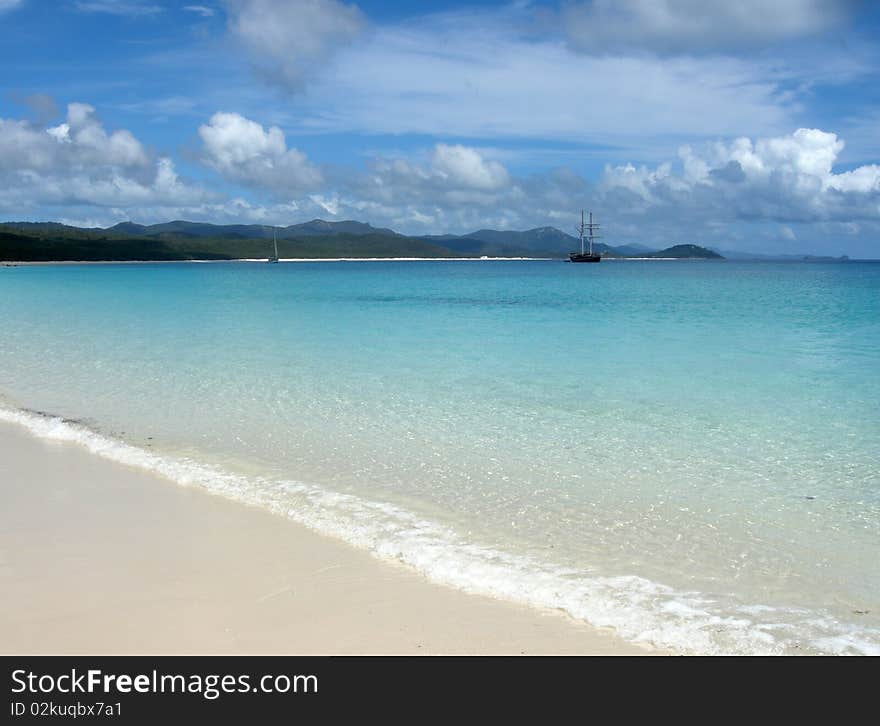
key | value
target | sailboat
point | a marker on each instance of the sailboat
(275, 242)
(584, 255)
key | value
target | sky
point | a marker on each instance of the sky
(750, 126)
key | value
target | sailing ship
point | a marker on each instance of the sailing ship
(275, 242)
(586, 255)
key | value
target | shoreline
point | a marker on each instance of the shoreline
(263, 260)
(98, 556)
(14, 263)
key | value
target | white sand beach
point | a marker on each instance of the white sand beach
(98, 557)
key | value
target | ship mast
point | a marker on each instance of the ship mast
(592, 236)
(581, 229)
(588, 227)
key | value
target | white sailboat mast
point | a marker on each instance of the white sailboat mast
(582, 229)
(591, 235)
(591, 226)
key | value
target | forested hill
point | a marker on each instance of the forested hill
(180, 240)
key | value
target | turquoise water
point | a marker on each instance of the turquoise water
(684, 451)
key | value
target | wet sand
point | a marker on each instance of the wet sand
(99, 557)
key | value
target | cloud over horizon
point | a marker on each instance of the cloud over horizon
(787, 179)
(242, 150)
(78, 162)
(781, 182)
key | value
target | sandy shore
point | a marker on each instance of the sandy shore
(26, 263)
(97, 557)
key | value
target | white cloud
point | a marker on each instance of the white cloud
(769, 185)
(451, 187)
(286, 38)
(779, 184)
(455, 76)
(864, 179)
(688, 26)
(481, 74)
(809, 152)
(780, 179)
(640, 181)
(24, 191)
(452, 173)
(79, 162)
(242, 150)
(79, 143)
(202, 10)
(132, 8)
(9, 5)
(463, 166)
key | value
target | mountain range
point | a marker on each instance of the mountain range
(179, 240)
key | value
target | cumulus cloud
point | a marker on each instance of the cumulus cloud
(287, 38)
(772, 186)
(80, 142)
(465, 167)
(78, 162)
(688, 26)
(452, 173)
(450, 187)
(242, 150)
(788, 186)
(782, 179)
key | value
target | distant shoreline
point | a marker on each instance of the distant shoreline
(318, 240)
(15, 263)
(21, 263)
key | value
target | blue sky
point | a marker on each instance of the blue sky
(749, 126)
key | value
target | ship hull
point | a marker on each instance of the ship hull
(578, 257)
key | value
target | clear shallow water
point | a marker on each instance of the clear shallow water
(685, 451)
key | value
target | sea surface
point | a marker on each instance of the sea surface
(688, 452)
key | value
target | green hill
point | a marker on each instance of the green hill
(182, 240)
(182, 228)
(56, 245)
(686, 252)
(538, 242)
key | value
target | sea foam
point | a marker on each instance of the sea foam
(634, 607)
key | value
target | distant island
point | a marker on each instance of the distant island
(687, 252)
(180, 240)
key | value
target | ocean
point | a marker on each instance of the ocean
(685, 451)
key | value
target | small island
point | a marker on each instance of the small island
(686, 252)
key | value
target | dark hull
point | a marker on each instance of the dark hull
(578, 257)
